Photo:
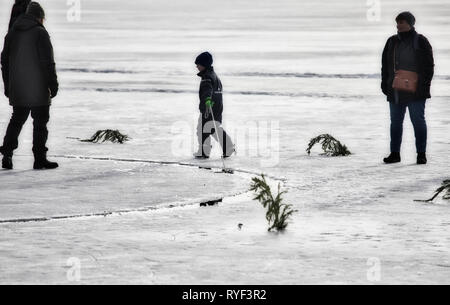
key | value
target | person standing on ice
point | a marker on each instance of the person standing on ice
(407, 72)
(30, 81)
(210, 99)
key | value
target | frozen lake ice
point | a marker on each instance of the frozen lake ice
(310, 67)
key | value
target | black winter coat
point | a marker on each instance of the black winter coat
(28, 66)
(211, 86)
(425, 63)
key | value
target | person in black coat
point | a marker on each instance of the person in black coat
(30, 81)
(410, 51)
(19, 8)
(210, 95)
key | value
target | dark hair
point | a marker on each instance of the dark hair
(408, 17)
(35, 9)
(19, 8)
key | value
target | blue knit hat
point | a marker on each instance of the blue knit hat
(205, 59)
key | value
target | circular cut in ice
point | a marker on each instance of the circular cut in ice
(93, 187)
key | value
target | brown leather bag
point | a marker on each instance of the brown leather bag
(405, 80)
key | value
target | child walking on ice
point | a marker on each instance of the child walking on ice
(210, 100)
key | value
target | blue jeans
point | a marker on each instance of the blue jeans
(417, 115)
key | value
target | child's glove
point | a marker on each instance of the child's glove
(209, 102)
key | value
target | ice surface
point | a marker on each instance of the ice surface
(85, 187)
(311, 66)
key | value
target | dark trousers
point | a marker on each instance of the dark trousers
(417, 115)
(206, 129)
(41, 116)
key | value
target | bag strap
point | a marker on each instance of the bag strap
(395, 58)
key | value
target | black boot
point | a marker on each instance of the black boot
(7, 159)
(226, 155)
(41, 162)
(393, 158)
(7, 162)
(201, 157)
(422, 158)
(202, 154)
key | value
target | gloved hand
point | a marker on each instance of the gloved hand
(53, 92)
(209, 103)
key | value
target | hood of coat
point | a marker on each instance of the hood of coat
(19, 8)
(25, 23)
